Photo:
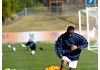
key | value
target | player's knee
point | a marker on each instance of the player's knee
(71, 68)
(63, 64)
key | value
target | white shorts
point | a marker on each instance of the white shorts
(71, 64)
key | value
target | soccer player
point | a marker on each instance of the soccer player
(30, 45)
(68, 47)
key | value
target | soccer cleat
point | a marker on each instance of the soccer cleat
(23, 45)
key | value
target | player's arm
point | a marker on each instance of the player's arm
(82, 43)
(27, 44)
(32, 43)
(58, 48)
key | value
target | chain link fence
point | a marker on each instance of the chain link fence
(48, 10)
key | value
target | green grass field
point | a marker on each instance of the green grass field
(45, 56)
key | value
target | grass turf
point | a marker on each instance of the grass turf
(44, 57)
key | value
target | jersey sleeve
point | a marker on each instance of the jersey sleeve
(82, 42)
(58, 48)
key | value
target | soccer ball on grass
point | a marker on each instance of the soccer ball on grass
(32, 52)
(13, 49)
(9, 46)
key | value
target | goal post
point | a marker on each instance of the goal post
(88, 22)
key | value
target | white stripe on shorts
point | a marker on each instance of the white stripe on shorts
(71, 64)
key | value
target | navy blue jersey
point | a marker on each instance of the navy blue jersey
(31, 45)
(64, 43)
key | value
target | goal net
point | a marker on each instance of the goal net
(88, 26)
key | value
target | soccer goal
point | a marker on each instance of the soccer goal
(88, 25)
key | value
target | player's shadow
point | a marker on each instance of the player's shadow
(41, 48)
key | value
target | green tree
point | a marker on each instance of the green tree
(21, 5)
(29, 3)
(11, 7)
(6, 11)
(16, 5)
(40, 7)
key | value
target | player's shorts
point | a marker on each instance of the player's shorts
(71, 64)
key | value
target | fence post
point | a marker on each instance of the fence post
(25, 11)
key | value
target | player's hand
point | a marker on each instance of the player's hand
(73, 47)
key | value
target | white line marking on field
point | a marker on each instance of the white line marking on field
(87, 66)
(44, 68)
(93, 51)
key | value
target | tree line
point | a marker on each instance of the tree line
(13, 6)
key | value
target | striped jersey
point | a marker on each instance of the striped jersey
(64, 43)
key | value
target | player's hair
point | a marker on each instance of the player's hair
(70, 28)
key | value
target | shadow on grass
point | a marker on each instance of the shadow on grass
(41, 48)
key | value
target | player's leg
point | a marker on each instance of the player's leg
(63, 64)
(72, 65)
(34, 46)
(28, 48)
(64, 61)
(71, 68)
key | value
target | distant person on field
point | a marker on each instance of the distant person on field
(68, 47)
(30, 45)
